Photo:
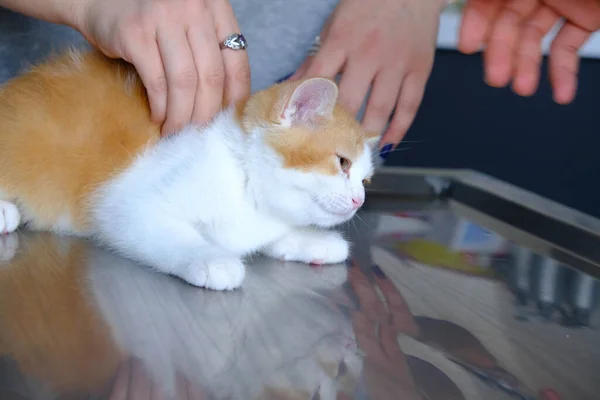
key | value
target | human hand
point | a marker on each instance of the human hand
(376, 328)
(512, 31)
(388, 44)
(174, 46)
(133, 383)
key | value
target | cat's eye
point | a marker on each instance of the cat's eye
(366, 181)
(344, 163)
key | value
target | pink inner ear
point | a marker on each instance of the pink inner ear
(312, 99)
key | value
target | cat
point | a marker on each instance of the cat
(79, 155)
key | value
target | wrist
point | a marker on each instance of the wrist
(64, 12)
(71, 13)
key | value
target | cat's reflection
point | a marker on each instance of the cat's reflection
(278, 331)
(83, 311)
(50, 326)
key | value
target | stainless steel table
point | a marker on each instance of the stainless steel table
(459, 287)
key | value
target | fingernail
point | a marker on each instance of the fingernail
(377, 271)
(386, 150)
(285, 78)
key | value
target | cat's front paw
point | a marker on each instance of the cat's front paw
(311, 247)
(9, 217)
(8, 246)
(220, 274)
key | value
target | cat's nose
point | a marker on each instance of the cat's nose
(357, 202)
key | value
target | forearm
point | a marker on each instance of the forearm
(57, 11)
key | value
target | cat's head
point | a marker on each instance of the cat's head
(310, 158)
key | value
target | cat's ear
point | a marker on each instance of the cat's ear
(313, 99)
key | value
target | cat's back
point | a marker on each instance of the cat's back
(66, 126)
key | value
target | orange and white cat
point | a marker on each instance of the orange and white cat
(79, 155)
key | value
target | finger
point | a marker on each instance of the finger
(402, 317)
(382, 100)
(389, 342)
(121, 384)
(402, 373)
(366, 337)
(329, 61)
(499, 54)
(210, 71)
(141, 386)
(477, 19)
(564, 61)
(585, 12)
(302, 69)
(353, 300)
(181, 392)
(158, 393)
(409, 101)
(529, 53)
(194, 392)
(354, 84)
(340, 300)
(237, 68)
(148, 63)
(364, 290)
(182, 77)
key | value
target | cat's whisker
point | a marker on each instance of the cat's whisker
(374, 190)
(353, 224)
(362, 220)
(399, 149)
(377, 151)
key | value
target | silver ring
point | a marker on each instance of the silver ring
(316, 46)
(235, 41)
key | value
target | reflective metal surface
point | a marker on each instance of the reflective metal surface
(441, 300)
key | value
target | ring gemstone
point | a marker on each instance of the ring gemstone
(235, 41)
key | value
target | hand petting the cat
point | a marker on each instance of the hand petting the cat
(174, 45)
(512, 30)
(389, 44)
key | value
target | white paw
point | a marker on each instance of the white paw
(9, 217)
(311, 247)
(222, 274)
(8, 246)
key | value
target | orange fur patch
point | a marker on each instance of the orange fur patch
(307, 148)
(66, 126)
(50, 325)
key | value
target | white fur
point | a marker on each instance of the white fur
(309, 246)
(198, 202)
(9, 245)
(9, 217)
